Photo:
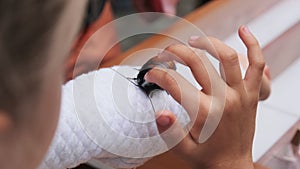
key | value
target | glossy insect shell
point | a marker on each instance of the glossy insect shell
(153, 62)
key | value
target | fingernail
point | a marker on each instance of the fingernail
(194, 38)
(163, 121)
(146, 77)
(246, 29)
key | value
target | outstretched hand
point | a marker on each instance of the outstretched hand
(230, 96)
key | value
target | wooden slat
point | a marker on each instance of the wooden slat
(217, 18)
(283, 141)
(283, 51)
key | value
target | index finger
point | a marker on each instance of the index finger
(178, 87)
(201, 67)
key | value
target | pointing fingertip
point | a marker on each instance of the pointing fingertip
(146, 77)
(245, 29)
(194, 38)
(149, 75)
(193, 41)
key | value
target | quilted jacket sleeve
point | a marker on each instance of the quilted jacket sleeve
(104, 116)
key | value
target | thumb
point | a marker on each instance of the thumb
(172, 132)
(164, 120)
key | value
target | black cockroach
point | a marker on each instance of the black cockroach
(140, 81)
(150, 64)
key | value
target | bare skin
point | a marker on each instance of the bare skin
(230, 146)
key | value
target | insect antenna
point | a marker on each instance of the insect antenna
(131, 78)
(137, 69)
(128, 78)
(134, 79)
(151, 104)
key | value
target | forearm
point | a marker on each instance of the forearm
(258, 166)
(233, 164)
(90, 120)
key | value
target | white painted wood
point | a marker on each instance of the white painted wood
(270, 25)
(286, 90)
(271, 125)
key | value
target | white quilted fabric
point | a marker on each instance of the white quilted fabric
(104, 116)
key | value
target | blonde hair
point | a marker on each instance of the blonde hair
(25, 30)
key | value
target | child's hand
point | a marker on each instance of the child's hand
(230, 145)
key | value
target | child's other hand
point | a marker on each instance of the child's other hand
(230, 145)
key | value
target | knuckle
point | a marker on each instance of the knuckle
(184, 51)
(254, 43)
(260, 64)
(168, 78)
(233, 99)
(230, 57)
(192, 57)
(173, 47)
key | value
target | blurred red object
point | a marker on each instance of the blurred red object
(148, 5)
